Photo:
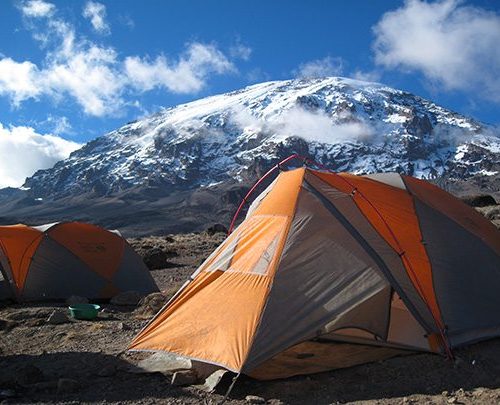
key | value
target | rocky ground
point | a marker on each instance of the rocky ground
(46, 357)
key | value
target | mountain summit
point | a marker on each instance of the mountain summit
(232, 138)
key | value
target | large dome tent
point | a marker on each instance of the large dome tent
(55, 261)
(329, 270)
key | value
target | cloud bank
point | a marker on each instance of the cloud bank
(455, 46)
(94, 76)
(314, 126)
(24, 152)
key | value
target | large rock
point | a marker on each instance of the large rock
(254, 399)
(479, 200)
(128, 298)
(216, 228)
(7, 324)
(157, 258)
(184, 377)
(151, 305)
(57, 317)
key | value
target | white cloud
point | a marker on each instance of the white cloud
(96, 77)
(127, 21)
(319, 127)
(24, 151)
(89, 76)
(309, 125)
(18, 81)
(96, 13)
(257, 75)
(453, 45)
(327, 66)
(240, 51)
(370, 76)
(37, 9)
(60, 125)
(187, 75)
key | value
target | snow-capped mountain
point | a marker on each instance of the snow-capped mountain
(347, 125)
(188, 167)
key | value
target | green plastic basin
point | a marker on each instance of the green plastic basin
(84, 311)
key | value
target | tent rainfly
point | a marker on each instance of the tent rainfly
(331, 270)
(58, 260)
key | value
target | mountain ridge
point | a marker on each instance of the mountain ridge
(220, 144)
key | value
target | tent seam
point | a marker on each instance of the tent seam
(278, 261)
(384, 268)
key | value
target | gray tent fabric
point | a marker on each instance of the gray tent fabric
(5, 289)
(56, 273)
(329, 275)
(392, 267)
(391, 179)
(132, 268)
(463, 267)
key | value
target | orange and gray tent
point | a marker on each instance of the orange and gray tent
(331, 270)
(58, 260)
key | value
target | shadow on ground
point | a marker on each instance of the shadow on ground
(82, 377)
(422, 375)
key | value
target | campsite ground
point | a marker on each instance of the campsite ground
(84, 361)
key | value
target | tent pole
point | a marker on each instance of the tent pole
(259, 181)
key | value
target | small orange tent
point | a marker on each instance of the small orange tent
(58, 260)
(331, 270)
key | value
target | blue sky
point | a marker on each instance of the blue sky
(73, 70)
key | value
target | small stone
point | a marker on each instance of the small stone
(216, 228)
(57, 317)
(122, 326)
(107, 371)
(126, 298)
(34, 322)
(44, 386)
(7, 325)
(105, 315)
(254, 399)
(29, 374)
(158, 258)
(452, 400)
(151, 304)
(76, 299)
(445, 393)
(67, 385)
(184, 377)
(7, 394)
(275, 401)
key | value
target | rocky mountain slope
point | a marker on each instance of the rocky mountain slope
(187, 166)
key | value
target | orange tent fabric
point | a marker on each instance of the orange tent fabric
(331, 270)
(56, 261)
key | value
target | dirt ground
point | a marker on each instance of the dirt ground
(86, 361)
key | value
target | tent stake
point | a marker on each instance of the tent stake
(230, 388)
